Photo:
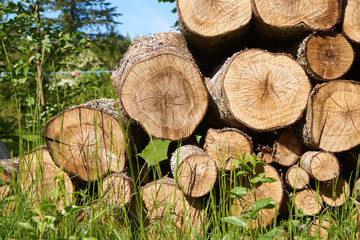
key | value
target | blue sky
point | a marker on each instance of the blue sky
(144, 17)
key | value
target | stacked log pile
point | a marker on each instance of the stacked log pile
(283, 72)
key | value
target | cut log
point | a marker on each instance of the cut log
(259, 90)
(287, 149)
(351, 23)
(319, 228)
(210, 24)
(272, 190)
(196, 172)
(297, 178)
(283, 18)
(308, 201)
(38, 176)
(332, 117)
(86, 143)
(160, 86)
(322, 166)
(163, 201)
(335, 193)
(326, 56)
(265, 154)
(222, 145)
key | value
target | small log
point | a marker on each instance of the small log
(308, 201)
(259, 90)
(319, 228)
(87, 143)
(326, 56)
(297, 178)
(284, 19)
(222, 145)
(332, 117)
(335, 193)
(210, 25)
(287, 149)
(351, 21)
(160, 86)
(162, 199)
(196, 172)
(38, 176)
(265, 154)
(322, 166)
(272, 190)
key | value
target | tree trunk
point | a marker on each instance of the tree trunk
(222, 145)
(332, 117)
(195, 172)
(287, 149)
(162, 199)
(86, 142)
(322, 166)
(160, 86)
(297, 178)
(283, 18)
(39, 175)
(259, 90)
(351, 23)
(211, 25)
(308, 201)
(335, 193)
(326, 56)
(272, 190)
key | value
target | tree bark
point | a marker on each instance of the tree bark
(335, 193)
(212, 25)
(222, 145)
(326, 56)
(283, 19)
(351, 23)
(297, 178)
(195, 172)
(86, 142)
(308, 201)
(259, 90)
(160, 86)
(287, 149)
(332, 117)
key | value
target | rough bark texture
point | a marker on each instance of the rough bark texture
(326, 56)
(332, 117)
(308, 201)
(297, 178)
(287, 149)
(196, 173)
(38, 176)
(335, 193)
(160, 86)
(223, 144)
(283, 18)
(211, 25)
(322, 166)
(351, 23)
(85, 142)
(259, 90)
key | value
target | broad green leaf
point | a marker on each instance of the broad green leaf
(242, 173)
(257, 178)
(155, 151)
(265, 237)
(25, 225)
(265, 203)
(268, 180)
(238, 192)
(198, 138)
(237, 221)
(69, 209)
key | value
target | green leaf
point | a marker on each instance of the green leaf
(155, 151)
(242, 173)
(265, 203)
(198, 138)
(268, 180)
(239, 192)
(257, 178)
(265, 238)
(237, 221)
(25, 225)
(69, 209)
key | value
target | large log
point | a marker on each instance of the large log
(326, 56)
(222, 145)
(195, 172)
(351, 23)
(160, 86)
(259, 90)
(211, 25)
(332, 117)
(87, 143)
(283, 18)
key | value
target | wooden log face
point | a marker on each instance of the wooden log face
(265, 91)
(351, 24)
(117, 189)
(165, 101)
(308, 201)
(216, 17)
(297, 178)
(86, 143)
(333, 117)
(335, 193)
(316, 15)
(287, 149)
